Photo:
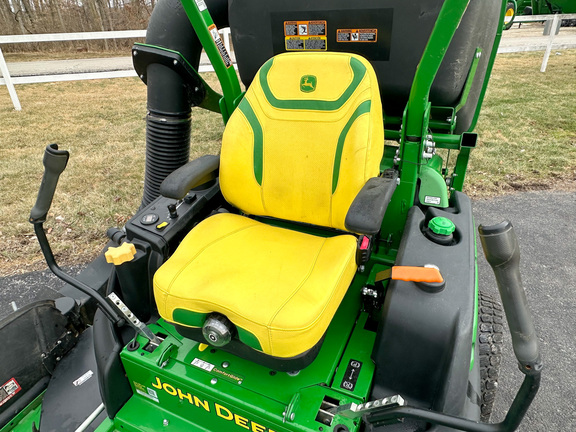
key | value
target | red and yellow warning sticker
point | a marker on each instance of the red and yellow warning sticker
(8, 390)
(305, 35)
(220, 45)
(357, 35)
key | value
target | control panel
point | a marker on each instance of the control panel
(165, 221)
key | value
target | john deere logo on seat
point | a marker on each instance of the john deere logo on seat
(308, 83)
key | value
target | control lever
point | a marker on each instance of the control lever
(55, 162)
(503, 254)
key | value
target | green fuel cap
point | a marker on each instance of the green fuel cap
(441, 226)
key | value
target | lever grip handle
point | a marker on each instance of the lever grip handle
(55, 162)
(503, 254)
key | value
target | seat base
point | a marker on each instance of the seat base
(279, 364)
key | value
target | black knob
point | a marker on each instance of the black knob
(172, 211)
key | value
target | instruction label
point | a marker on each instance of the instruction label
(201, 5)
(81, 380)
(220, 45)
(357, 35)
(305, 35)
(147, 392)
(8, 390)
(351, 375)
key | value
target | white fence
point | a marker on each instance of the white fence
(129, 34)
(551, 30)
(10, 81)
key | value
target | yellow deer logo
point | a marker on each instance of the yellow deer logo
(308, 83)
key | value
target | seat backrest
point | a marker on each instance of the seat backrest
(305, 139)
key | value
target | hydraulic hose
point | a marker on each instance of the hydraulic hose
(168, 121)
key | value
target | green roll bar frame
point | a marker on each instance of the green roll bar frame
(413, 131)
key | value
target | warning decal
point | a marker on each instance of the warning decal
(8, 390)
(357, 35)
(304, 28)
(305, 35)
(220, 45)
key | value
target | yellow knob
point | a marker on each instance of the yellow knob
(121, 254)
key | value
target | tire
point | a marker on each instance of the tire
(509, 15)
(490, 336)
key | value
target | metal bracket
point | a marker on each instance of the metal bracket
(353, 410)
(141, 328)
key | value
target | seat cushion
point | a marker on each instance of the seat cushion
(279, 287)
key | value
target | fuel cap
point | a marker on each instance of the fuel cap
(441, 226)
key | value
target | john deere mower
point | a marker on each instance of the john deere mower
(319, 274)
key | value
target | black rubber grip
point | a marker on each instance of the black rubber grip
(502, 253)
(54, 163)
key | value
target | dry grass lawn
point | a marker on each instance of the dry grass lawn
(527, 131)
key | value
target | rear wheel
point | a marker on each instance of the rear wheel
(490, 334)
(509, 15)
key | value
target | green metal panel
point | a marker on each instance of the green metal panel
(359, 349)
(432, 189)
(207, 33)
(26, 420)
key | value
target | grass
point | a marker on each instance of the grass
(527, 126)
(527, 130)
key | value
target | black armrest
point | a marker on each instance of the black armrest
(368, 208)
(189, 176)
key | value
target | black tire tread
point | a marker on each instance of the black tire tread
(490, 337)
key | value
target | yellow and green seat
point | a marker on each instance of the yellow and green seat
(303, 142)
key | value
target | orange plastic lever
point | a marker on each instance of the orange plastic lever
(411, 274)
(417, 274)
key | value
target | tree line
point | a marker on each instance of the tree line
(67, 16)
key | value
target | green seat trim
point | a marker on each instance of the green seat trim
(196, 319)
(248, 338)
(189, 318)
(358, 69)
(248, 112)
(363, 108)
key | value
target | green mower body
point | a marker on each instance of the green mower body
(404, 350)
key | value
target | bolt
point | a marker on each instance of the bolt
(134, 53)
(292, 416)
(142, 76)
(58, 359)
(213, 381)
(240, 382)
(225, 364)
(165, 422)
(175, 62)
